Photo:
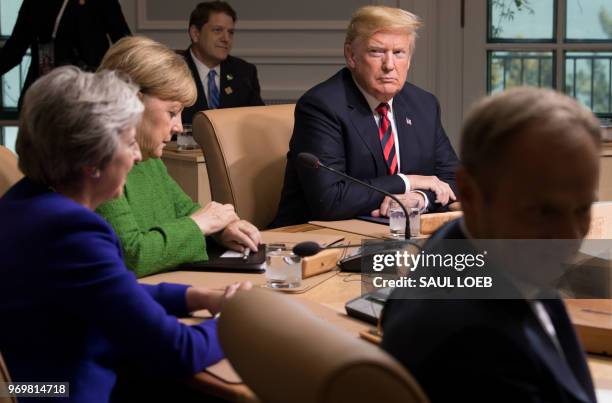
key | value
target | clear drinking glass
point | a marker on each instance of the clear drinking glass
(397, 219)
(283, 269)
(185, 140)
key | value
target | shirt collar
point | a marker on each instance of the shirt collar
(372, 102)
(202, 68)
(528, 291)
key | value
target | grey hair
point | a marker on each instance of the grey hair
(72, 119)
(495, 121)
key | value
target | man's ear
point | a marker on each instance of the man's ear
(468, 190)
(349, 56)
(194, 34)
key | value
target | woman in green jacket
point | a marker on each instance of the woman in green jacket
(158, 224)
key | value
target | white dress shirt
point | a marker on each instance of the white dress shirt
(536, 306)
(203, 73)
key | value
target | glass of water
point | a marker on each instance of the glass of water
(397, 219)
(283, 269)
(185, 140)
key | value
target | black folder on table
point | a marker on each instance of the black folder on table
(368, 307)
(255, 262)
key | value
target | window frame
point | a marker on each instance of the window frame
(476, 56)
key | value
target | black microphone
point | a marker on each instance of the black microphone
(309, 248)
(311, 161)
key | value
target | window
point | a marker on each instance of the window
(562, 44)
(11, 82)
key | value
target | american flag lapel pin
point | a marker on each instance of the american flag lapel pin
(409, 121)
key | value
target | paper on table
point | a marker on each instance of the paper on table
(232, 254)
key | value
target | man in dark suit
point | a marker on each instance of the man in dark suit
(79, 32)
(223, 81)
(522, 348)
(366, 121)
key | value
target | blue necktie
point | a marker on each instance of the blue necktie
(213, 91)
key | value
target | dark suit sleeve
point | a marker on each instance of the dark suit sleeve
(318, 130)
(446, 161)
(15, 47)
(255, 93)
(116, 26)
(446, 349)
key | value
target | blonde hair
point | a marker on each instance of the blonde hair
(495, 121)
(368, 20)
(158, 70)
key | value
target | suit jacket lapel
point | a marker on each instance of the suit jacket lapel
(407, 135)
(570, 344)
(544, 347)
(363, 121)
(224, 83)
(201, 102)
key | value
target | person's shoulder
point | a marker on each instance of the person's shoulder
(411, 91)
(58, 214)
(237, 63)
(329, 92)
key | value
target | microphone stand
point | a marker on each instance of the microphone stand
(393, 197)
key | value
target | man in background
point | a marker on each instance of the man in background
(223, 81)
(368, 122)
(522, 349)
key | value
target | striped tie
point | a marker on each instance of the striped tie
(387, 141)
(213, 91)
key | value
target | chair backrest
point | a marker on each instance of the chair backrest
(245, 151)
(4, 378)
(9, 171)
(286, 354)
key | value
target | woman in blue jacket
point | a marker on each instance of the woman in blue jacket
(71, 311)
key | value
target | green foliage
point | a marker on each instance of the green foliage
(508, 8)
(605, 20)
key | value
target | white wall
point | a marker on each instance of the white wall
(297, 44)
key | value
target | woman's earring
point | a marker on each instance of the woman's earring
(95, 173)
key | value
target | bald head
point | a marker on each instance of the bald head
(530, 166)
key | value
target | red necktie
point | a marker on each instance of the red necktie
(387, 141)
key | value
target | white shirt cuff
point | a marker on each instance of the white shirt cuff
(406, 182)
(426, 200)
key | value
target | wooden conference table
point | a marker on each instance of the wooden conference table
(325, 294)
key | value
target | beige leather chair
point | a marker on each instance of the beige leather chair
(9, 172)
(245, 151)
(286, 354)
(4, 377)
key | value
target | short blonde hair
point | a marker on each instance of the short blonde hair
(368, 20)
(495, 121)
(158, 70)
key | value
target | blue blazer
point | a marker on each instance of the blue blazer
(486, 350)
(71, 311)
(334, 122)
